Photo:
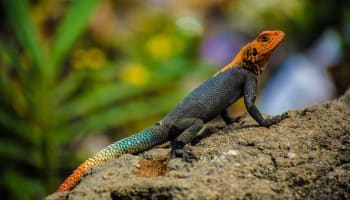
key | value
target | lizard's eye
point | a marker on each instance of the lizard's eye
(264, 38)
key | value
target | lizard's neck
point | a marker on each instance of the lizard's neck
(245, 58)
(251, 60)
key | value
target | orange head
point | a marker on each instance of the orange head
(255, 55)
(258, 52)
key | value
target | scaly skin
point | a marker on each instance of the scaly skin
(204, 103)
(146, 139)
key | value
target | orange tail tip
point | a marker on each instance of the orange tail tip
(73, 179)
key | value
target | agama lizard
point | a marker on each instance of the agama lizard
(210, 99)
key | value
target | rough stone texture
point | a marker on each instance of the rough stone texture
(306, 156)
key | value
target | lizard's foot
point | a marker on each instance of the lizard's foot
(279, 118)
(186, 155)
(89, 172)
(276, 119)
(178, 151)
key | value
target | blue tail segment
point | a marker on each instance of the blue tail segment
(141, 141)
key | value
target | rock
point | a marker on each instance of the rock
(306, 156)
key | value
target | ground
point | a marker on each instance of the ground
(306, 156)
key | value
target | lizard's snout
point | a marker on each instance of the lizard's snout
(280, 33)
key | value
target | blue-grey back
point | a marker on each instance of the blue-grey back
(211, 97)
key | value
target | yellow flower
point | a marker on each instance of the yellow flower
(134, 74)
(160, 46)
(92, 58)
(95, 58)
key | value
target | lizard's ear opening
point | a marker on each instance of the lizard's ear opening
(251, 54)
(252, 59)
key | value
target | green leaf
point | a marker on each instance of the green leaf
(99, 96)
(5, 86)
(112, 117)
(105, 94)
(22, 187)
(12, 93)
(68, 86)
(8, 57)
(17, 126)
(73, 24)
(16, 151)
(17, 12)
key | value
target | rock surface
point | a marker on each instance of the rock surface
(306, 156)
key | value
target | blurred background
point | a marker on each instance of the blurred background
(77, 75)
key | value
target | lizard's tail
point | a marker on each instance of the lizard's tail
(142, 141)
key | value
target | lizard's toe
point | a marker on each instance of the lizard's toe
(279, 118)
(186, 155)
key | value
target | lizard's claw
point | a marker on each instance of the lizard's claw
(279, 118)
(89, 172)
(186, 155)
(276, 119)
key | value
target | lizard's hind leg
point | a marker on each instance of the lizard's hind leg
(191, 127)
(228, 119)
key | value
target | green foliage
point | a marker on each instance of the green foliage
(70, 28)
(45, 103)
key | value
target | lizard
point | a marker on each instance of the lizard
(209, 100)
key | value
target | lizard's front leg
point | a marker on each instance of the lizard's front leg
(249, 100)
(191, 127)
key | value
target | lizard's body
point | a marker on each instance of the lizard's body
(204, 103)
